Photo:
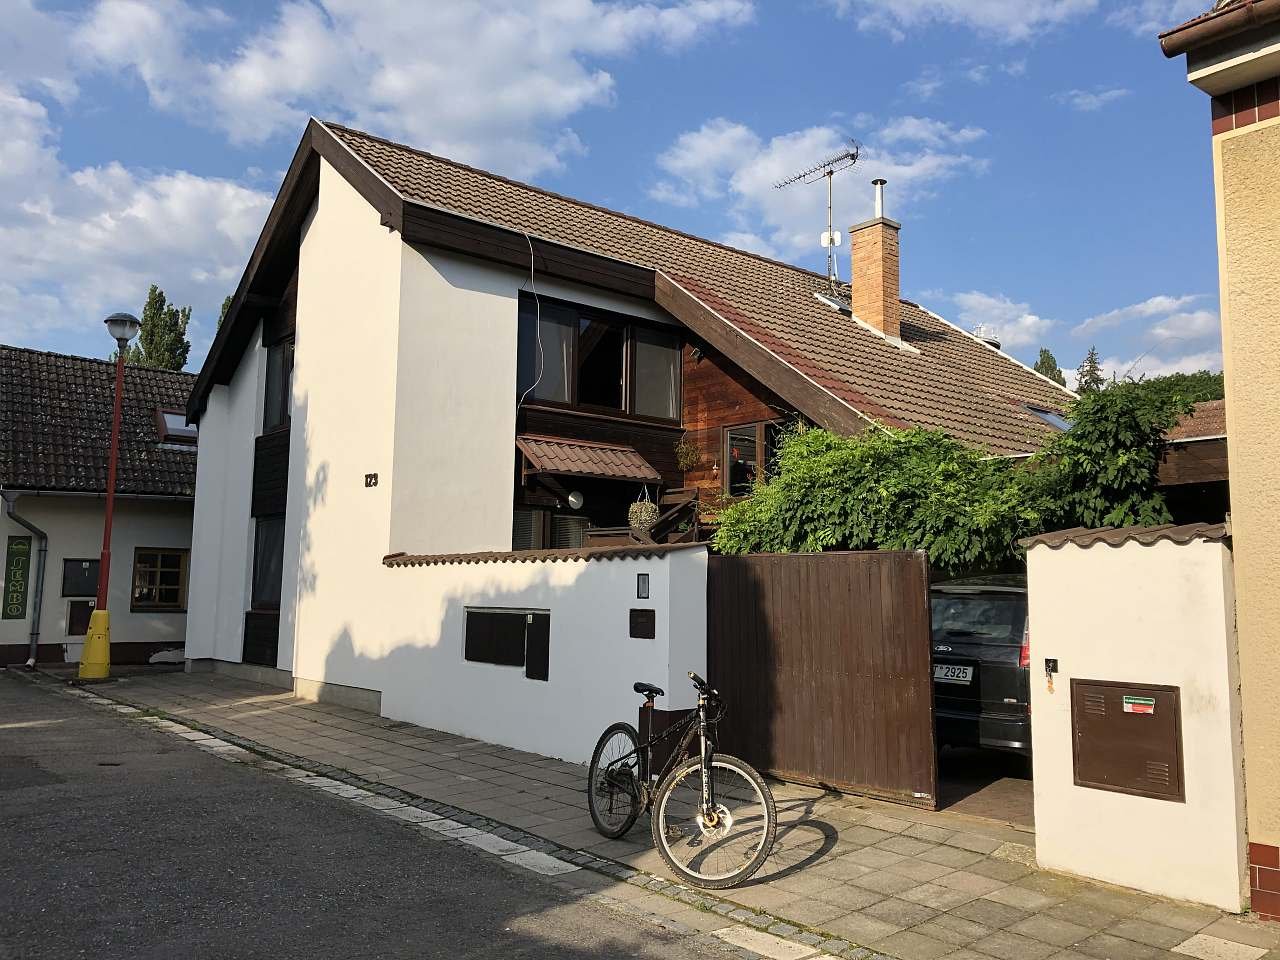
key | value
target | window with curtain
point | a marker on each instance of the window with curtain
(579, 356)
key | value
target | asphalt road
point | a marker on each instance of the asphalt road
(117, 840)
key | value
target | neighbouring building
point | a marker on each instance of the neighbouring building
(425, 360)
(1193, 472)
(55, 433)
(1233, 55)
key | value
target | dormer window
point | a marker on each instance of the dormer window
(172, 427)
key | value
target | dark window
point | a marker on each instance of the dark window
(527, 529)
(568, 531)
(80, 578)
(159, 579)
(509, 638)
(279, 393)
(585, 357)
(657, 374)
(979, 618)
(749, 451)
(173, 427)
(78, 613)
(268, 563)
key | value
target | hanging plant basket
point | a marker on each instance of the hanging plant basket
(642, 514)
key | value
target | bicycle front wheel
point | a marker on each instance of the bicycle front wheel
(728, 847)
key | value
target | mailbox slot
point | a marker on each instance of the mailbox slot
(1127, 738)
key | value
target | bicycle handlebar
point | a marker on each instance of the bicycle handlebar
(702, 685)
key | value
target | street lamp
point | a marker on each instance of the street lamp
(95, 659)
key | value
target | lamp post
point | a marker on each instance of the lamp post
(95, 660)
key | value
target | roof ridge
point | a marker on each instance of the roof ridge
(83, 359)
(575, 200)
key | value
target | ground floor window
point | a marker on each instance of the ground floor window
(159, 579)
(749, 450)
(509, 638)
(268, 563)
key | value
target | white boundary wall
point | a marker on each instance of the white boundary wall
(406, 642)
(1157, 614)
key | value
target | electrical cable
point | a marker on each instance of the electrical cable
(537, 326)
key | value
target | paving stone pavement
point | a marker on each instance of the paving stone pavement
(848, 875)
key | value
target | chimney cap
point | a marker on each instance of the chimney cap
(879, 182)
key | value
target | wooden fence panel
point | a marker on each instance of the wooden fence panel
(824, 660)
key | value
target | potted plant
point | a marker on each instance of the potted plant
(642, 514)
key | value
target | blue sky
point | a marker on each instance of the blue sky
(1051, 169)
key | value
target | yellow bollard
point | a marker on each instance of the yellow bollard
(95, 660)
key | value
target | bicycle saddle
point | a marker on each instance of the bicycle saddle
(648, 689)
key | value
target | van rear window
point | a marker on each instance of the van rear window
(980, 617)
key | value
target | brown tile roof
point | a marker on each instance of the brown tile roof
(1118, 536)
(626, 552)
(55, 426)
(953, 383)
(1206, 419)
(586, 459)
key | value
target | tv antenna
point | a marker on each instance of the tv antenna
(828, 168)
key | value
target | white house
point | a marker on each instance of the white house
(55, 429)
(424, 361)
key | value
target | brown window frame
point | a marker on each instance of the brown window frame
(184, 573)
(163, 432)
(761, 428)
(629, 325)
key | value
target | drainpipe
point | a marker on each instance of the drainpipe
(42, 539)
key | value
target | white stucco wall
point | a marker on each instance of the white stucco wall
(405, 640)
(343, 418)
(222, 536)
(74, 528)
(1159, 614)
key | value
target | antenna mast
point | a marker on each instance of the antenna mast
(828, 168)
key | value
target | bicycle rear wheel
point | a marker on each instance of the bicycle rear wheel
(613, 781)
(728, 851)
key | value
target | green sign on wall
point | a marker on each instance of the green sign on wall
(17, 564)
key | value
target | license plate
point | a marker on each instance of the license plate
(950, 673)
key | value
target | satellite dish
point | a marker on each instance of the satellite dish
(576, 500)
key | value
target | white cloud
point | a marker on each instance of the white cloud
(729, 163)
(1005, 20)
(1014, 323)
(1157, 306)
(926, 85)
(81, 242)
(32, 51)
(1151, 365)
(1192, 325)
(1147, 18)
(929, 132)
(1087, 101)
(488, 83)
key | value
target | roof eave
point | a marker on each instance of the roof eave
(1218, 25)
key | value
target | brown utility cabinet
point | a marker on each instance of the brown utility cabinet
(1127, 738)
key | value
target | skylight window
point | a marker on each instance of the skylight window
(173, 427)
(1052, 418)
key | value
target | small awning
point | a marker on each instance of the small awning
(582, 458)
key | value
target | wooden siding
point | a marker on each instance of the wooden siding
(1197, 461)
(717, 394)
(824, 663)
(261, 637)
(654, 442)
(270, 473)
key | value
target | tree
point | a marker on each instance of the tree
(1191, 387)
(163, 342)
(1089, 378)
(222, 313)
(1105, 470)
(1047, 365)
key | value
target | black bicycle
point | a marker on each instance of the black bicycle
(713, 816)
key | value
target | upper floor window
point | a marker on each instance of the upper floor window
(582, 357)
(748, 455)
(279, 392)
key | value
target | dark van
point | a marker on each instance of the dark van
(981, 660)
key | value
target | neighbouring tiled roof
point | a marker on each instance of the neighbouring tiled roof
(55, 426)
(1118, 536)
(953, 383)
(1206, 419)
(626, 552)
(584, 459)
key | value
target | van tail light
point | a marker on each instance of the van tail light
(1024, 658)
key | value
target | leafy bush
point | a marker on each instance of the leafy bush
(921, 490)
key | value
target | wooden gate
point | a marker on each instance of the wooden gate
(824, 661)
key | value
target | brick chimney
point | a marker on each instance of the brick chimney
(874, 290)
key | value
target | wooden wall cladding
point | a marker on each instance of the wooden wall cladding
(717, 394)
(270, 473)
(1201, 461)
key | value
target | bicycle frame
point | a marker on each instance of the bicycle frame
(696, 723)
